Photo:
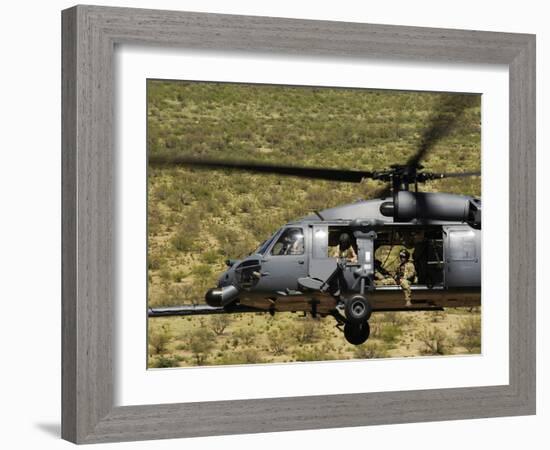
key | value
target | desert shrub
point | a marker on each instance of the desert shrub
(183, 241)
(201, 271)
(218, 323)
(153, 218)
(246, 356)
(245, 336)
(395, 318)
(181, 346)
(200, 342)
(435, 340)
(239, 248)
(164, 274)
(261, 225)
(246, 205)
(390, 333)
(370, 349)
(376, 323)
(229, 357)
(223, 233)
(162, 362)
(233, 243)
(160, 192)
(153, 262)
(322, 352)
(176, 200)
(178, 294)
(307, 331)
(278, 342)
(251, 356)
(178, 275)
(210, 257)
(159, 339)
(469, 334)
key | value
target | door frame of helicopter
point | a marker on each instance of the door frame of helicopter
(358, 276)
(275, 274)
(89, 411)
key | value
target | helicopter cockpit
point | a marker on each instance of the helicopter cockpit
(290, 242)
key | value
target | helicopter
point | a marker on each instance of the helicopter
(294, 270)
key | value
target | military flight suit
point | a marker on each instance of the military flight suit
(383, 280)
(381, 276)
(349, 254)
(405, 276)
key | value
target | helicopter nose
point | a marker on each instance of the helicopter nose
(221, 296)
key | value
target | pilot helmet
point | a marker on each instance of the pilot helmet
(344, 240)
(293, 235)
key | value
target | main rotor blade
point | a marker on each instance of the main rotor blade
(450, 109)
(458, 174)
(423, 176)
(350, 176)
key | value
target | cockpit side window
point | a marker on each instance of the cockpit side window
(265, 245)
(291, 242)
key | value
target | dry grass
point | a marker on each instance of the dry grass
(258, 338)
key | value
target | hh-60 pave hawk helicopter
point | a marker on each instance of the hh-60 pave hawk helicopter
(294, 271)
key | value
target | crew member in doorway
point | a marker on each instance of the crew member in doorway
(344, 249)
(405, 275)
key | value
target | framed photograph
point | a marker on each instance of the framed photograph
(276, 224)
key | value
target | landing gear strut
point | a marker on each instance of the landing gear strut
(358, 309)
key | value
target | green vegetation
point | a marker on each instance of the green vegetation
(200, 342)
(158, 339)
(435, 340)
(469, 334)
(163, 362)
(390, 333)
(219, 323)
(199, 218)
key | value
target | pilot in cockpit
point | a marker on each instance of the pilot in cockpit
(294, 242)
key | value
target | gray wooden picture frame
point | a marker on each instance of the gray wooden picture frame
(90, 34)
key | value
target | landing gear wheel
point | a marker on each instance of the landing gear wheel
(356, 333)
(358, 309)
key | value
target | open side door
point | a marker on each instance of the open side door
(321, 266)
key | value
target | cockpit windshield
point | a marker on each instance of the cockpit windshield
(265, 244)
(291, 242)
